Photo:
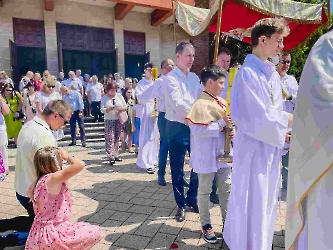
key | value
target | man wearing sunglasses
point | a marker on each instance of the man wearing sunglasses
(290, 83)
(35, 134)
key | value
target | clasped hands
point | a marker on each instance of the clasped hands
(229, 124)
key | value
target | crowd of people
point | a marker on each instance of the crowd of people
(176, 114)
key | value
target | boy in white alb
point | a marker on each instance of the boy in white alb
(207, 119)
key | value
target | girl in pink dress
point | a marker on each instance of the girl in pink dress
(2, 169)
(52, 203)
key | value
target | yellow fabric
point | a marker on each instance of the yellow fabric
(206, 110)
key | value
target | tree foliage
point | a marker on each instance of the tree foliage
(301, 52)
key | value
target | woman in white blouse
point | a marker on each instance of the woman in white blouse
(112, 104)
(46, 95)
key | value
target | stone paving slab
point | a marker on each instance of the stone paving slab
(132, 209)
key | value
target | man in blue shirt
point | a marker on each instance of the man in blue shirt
(73, 98)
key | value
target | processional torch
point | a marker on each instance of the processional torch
(154, 114)
(226, 157)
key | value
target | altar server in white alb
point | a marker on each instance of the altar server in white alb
(262, 126)
(309, 217)
(149, 136)
(207, 119)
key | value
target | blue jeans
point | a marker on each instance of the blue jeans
(80, 121)
(21, 223)
(179, 142)
(164, 145)
(96, 111)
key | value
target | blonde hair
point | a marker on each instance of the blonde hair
(46, 161)
(46, 74)
(3, 73)
(38, 75)
(48, 81)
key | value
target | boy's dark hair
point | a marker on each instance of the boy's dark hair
(213, 72)
(180, 46)
(149, 65)
(267, 27)
(225, 51)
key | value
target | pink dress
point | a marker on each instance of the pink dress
(52, 228)
(2, 169)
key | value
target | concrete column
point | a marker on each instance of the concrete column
(153, 43)
(119, 43)
(51, 42)
(6, 34)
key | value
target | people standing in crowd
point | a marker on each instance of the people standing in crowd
(262, 127)
(58, 84)
(181, 89)
(5, 79)
(78, 75)
(95, 91)
(61, 77)
(4, 107)
(34, 135)
(104, 80)
(149, 136)
(46, 75)
(87, 107)
(52, 204)
(137, 114)
(27, 78)
(43, 97)
(74, 99)
(112, 104)
(38, 81)
(156, 91)
(290, 84)
(14, 118)
(134, 84)
(128, 126)
(118, 80)
(73, 80)
(207, 119)
(29, 105)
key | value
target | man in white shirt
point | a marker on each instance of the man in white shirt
(119, 81)
(156, 91)
(34, 135)
(290, 83)
(95, 91)
(181, 89)
(79, 76)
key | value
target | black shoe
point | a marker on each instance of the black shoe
(118, 159)
(186, 184)
(161, 181)
(180, 215)
(112, 162)
(71, 144)
(194, 208)
(151, 170)
(214, 198)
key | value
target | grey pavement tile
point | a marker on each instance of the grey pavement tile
(164, 204)
(151, 189)
(160, 213)
(143, 194)
(137, 218)
(160, 197)
(136, 189)
(132, 241)
(164, 190)
(106, 197)
(118, 206)
(101, 216)
(188, 237)
(171, 226)
(161, 241)
(120, 216)
(149, 228)
(140, 209)
(125, 197)
(111, 225)
(141, 201)
(127, 228)
(278, 241)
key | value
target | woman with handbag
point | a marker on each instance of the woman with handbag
(114, 107)
(13, 120)
(128, 126)
(29, 105)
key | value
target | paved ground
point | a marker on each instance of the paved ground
(133, 210)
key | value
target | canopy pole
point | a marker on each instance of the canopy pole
(174, 21)
(218, 32)
(329, 12)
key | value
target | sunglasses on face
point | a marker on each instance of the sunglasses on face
(65, 121)
(285, 62)
(51, 86)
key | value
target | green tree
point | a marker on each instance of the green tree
(301, 52)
